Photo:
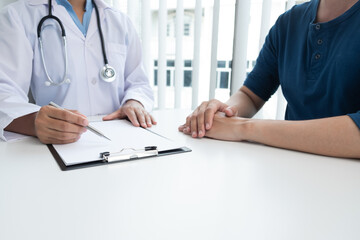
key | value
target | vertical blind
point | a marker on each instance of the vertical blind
(162, 54)
(196, 57)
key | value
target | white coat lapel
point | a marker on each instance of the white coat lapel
(93, 27)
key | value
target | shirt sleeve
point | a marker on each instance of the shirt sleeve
(356, 118)
(137, 84)
(263, 80)
(15, 69)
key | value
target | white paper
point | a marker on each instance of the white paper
(123, 135)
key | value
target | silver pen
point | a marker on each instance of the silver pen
(89, 127)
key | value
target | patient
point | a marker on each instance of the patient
(312, 52)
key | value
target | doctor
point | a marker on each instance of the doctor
(80, 54)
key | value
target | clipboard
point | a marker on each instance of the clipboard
(128, 143)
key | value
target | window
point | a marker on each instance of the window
(188, 63)
(189, 20)
(169, 78)
(187, 78)
(224, 80)
(170, 63)
(223, 75)
(221, 64)
(168, 28)
(188, 23)
(170, 73)
(187, 29)
(155, 77)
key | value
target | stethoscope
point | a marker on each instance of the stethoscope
(107, 73)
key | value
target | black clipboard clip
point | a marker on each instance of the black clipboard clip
(127, 154)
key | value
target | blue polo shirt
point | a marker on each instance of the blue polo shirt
(86, 18)
(317, 65)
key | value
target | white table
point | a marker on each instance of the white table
(221, 190)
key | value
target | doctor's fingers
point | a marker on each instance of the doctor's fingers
(137, 116)
(78, 113)
(132, 116)
(115, 115)
(65, 115)
(48, 134)
(141, 117)
(149, 120)
(63, 126)
(57, 141)
(56, 137)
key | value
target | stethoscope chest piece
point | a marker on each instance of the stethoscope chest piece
(108, 73)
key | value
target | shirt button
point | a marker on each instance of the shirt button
(319, 41)
(317, 56)
(317, 26)
(94, 81)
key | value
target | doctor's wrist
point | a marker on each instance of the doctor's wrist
(23, 125)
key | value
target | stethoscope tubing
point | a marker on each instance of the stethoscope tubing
(100, 33)
(63, 33)
(107, 73)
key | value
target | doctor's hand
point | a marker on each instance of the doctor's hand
(135, 112)
(58, 126)
(201, 120)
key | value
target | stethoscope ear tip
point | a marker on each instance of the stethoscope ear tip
(67, 80)
(47, 83)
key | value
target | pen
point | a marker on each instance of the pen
(89, 127)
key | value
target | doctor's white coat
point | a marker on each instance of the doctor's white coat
(21, 66)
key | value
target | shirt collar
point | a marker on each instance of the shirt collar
(88, 5)
(66, 4)
(342, 17)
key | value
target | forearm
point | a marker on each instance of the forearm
(246, 102)
(336, 136)
(24, 125)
